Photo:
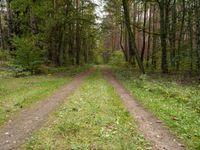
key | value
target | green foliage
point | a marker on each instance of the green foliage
(4, 55)
(98, 55)
(117, 58)
(55, 22)
(4, 60)
(28, 55)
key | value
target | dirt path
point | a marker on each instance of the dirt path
(153, 129)
(16, 131)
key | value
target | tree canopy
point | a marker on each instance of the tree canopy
(153, 35)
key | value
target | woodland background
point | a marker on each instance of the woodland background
(158, 35)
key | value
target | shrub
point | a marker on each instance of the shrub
(28, 55)
(4, 58)
(4, 55)
(117, 58)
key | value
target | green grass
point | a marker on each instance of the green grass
(18, 93)
(92, 118)
(175, 104)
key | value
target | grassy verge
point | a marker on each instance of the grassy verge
(92, 118)
(18, 93)
(177, 105)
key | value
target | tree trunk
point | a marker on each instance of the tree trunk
(1, 32)
(144, 34)
(78, 40)
(180, 36)
(149, 37)
(163, 32)
(121, 43)
(127, 49)
(173, 36)
(197, 12)
(10, 23)
(190, 28)
(71, 44)
(153, 61)
(131, 35)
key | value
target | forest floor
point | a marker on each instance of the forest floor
(102, 114)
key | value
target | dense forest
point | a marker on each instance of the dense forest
(48, 32)
(100, 74)
(160, 35)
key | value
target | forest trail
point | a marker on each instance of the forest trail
(16, 131)
(153, 129)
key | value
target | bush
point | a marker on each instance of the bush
(4, 58)
(117, 58)
(4, 55)
(28, 55)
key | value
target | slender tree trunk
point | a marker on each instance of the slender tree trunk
(180, 36)
(197, 12)
(131, 35)
(1, 31)
(33, 22)
(163, 32)
(71, 44)
(78, 40)
(173, 35)
(134, 29)
(121, 43)
(190, 28)
(62, 46)
(149, 37)
(10, 24)
(85, 49)
(153, 62)
(127, 49)
(144, 34)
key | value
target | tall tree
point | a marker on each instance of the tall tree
(144, 33)
(131, 35)
(180, 35)
(197, 12)
(164, 14)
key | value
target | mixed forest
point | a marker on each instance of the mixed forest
(158, 35)
(100, 74)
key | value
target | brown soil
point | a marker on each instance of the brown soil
(15, 132)
(153, 129)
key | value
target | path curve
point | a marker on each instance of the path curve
(153, 129)
(18, 130)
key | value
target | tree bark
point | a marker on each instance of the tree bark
(1, 31)
(163, 31)
(172, 36)
(144, 34)
(190, 28)
(180, 36)
(121, 43)
(78, 40)
(149, 37)
(131, 35)
(197, 12)
(153, 61)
